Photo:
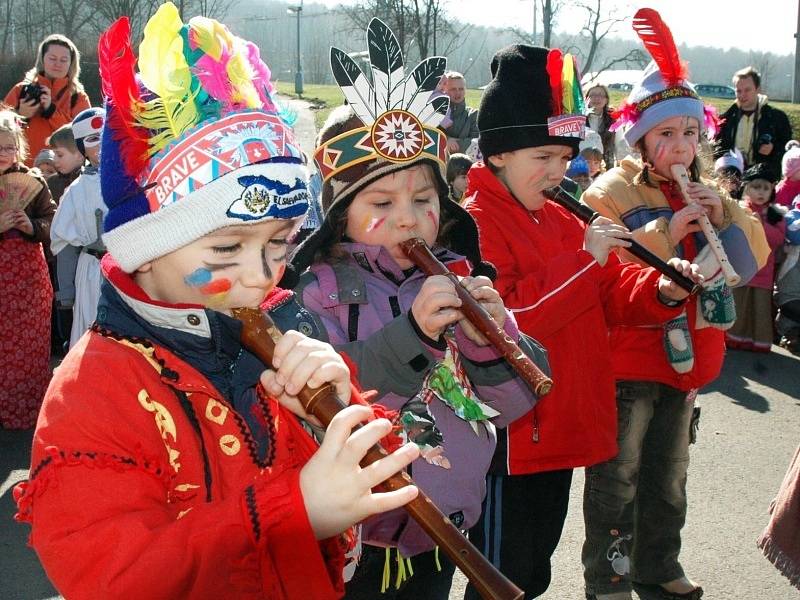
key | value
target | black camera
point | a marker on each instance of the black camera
(764, 138)
(31, 91)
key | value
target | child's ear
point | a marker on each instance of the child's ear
(498, 160)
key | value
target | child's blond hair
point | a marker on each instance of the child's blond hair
(11, 124)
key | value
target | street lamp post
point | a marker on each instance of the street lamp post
(298, 75)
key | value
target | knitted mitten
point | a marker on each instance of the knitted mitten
(678, 344)
(715, 306)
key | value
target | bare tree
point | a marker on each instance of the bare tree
(73, 15)
(764, 63)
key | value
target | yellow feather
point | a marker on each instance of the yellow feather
(567, 84)
(210, 35)
(241, 76)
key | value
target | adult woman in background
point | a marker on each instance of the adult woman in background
(25, 291)
(599, 119)
(50, 95)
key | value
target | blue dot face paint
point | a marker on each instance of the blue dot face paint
(198, 277)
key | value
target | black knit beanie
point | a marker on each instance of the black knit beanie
(517, 103)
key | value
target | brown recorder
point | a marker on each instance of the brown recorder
(418, 252)
(259, 335)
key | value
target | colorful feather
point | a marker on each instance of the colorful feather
(244, 93)
(555, 64)
(118, 72)
(209, 35)
(658, 41)
(386, 59)
(355, 86)
(577, 94)
(262, 75)
(567, 84)
(434, 111)
(213, 76)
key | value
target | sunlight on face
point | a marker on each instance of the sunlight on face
(232, 267)
(526, 173)
(673, 141)
(395, 208)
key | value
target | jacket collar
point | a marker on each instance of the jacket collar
(480, 178)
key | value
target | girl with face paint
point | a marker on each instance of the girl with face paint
(408, 338)
(639, 496)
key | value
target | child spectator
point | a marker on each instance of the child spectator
(787, 285)
(728, 170)
(565, 287)
(578, 171)
(448, 387)
(166, 463)
(457, 167)
(594, 159)
(789, 187)
(44, 161)
(77, 227)
(753, 329)
(67, 159)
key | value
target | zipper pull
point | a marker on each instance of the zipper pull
(535, 427)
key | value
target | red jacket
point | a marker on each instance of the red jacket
(562, 297)
(145, 483)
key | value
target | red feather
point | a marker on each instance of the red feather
(555, 65)
(658, 40)
(118, 72)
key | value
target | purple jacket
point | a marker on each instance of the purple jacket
(363, 302)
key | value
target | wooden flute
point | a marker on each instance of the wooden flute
(418, 252)
(560, 196)
(259, 335)
(731, 276)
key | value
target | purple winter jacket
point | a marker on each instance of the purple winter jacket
(363, 303)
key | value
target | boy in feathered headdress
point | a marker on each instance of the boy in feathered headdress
(164, 463)
(635, 504)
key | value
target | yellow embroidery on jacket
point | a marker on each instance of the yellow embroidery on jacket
(216, 412)
(230, 444)
(165, 424)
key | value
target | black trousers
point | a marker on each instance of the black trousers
(427, 583)
(521, 522)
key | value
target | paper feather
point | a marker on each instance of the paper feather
(386, 60)
(421, 83)
(355, 86)
(434, 111)
(577, 94)
(658, 41)
(118, 73)
(555, 63)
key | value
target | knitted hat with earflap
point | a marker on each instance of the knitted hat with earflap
(389, 124)
(664, 90)
(87, 127)
(534, 99)
(193, 142)
(790, 164)
(733, 159)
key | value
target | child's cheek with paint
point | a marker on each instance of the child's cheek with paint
(214, 290)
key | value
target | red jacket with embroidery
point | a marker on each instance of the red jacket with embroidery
(145, 483)
(563, 298)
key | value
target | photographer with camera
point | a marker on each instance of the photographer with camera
(759, 130)
(51, 94)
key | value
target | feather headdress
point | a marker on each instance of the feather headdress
(666, 79)
(400, 111)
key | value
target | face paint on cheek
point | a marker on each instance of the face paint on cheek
(198, 278)
(660, 150)
(374, 224)
(215, 289)
(434, 219)
(265, 265)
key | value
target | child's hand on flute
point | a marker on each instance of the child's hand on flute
(602, 235)
(668, 288)
(709, 199)
(337, 491)
(436, 306)
(482, 290)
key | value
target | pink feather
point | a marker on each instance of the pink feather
(213, 76)
(118, 72)
(261, 81)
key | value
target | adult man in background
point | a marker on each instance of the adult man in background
(465, 119)
(758, 130)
